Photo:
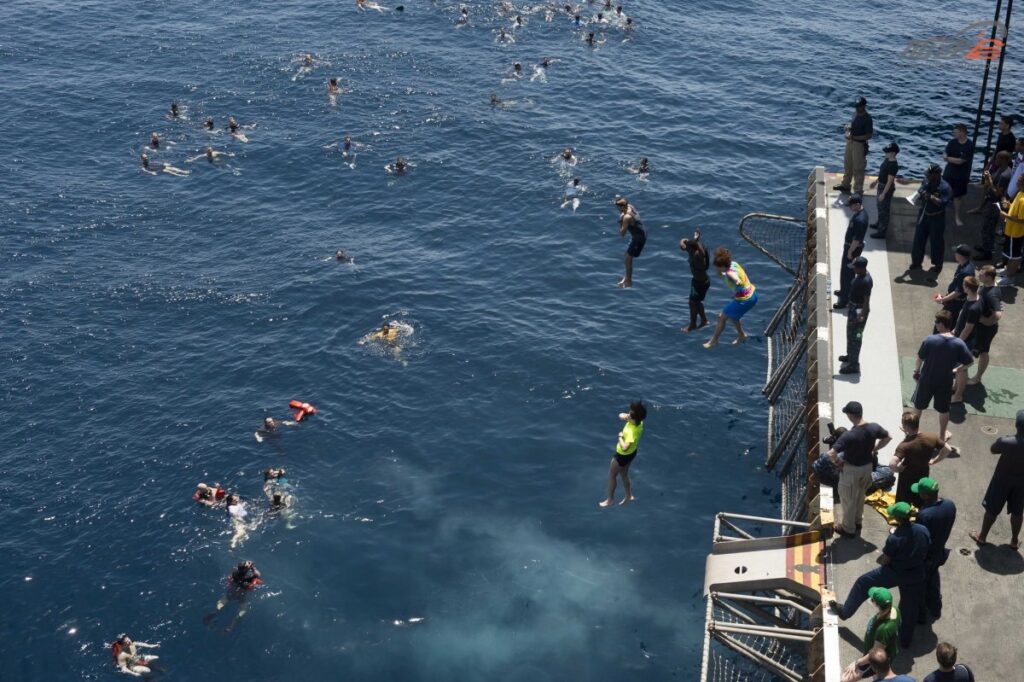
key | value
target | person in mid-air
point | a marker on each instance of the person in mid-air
(625, 452)
(744, 296)
(629, 221)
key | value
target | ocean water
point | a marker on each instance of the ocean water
(446, 520)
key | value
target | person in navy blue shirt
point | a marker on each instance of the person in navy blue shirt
(902, 565)
(938, 515)
(949, 670)
(1006, 489)
(881, 668)
(886, 184)
(954, 298)
(938, 359)
(933, 196)
(853, 244)
(857, 315)
(958, 157)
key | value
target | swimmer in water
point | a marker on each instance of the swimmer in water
(629, 221)
(243, 579)
(235, 130)
(238, 513)
(173, 113)
(599, 19)
(210, 155)
(578, 20)
(333, 90)
(307, 60)
(504, 38)
(463, 18)
(157, 167)
(568, 157)
(625, 453)
(128, 659)
(642, 169)
(342, 257)
(209, 496)
(274, 476)
(208, 124)
(365, 5)
(271, 426)
(398, 167)
(386, 334)
(540, 71)
(496, 101)
(517, 22)
(592, 41)
(154, 141)
(572, 194)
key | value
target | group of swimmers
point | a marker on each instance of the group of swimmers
(209, 154)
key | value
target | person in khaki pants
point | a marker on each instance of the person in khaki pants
(855, 158)
(856, 452)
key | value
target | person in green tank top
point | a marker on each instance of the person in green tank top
(625, 452)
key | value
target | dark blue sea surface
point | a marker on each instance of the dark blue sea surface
(447, 522)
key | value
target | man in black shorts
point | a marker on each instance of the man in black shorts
(629, 220)
(1006, 489)
(970, 318)
(988, 325)
(700, 283)
(938, 359)
(958, 156)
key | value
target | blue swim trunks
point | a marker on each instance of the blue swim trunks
(737, 309)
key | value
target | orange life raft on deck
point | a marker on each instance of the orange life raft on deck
(302, 410)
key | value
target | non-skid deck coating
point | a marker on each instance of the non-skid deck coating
(983, 589)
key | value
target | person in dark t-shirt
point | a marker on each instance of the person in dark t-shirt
(857, 132)
(949, 670)
(1006, 140)
(915, 455)
(853, 245)
(856, 315)
(996, 181)
(700, 261)
(988, 325)
(1006, 489)
(886, 188)
(967, 322)
(959, 156)
(953, 299)
(938, 358)
(856, 452)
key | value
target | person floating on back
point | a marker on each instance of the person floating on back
(625, 452)
(744, 296)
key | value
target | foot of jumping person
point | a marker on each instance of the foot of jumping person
(711, 344)
(604, 504)
(739, 339)
(626, 500)
(625, 284)
(692, 327)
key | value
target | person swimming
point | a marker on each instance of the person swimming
(154, 141)
(540, 71)
(208, 124)
(244, 578)
(572, 194)
(210, 155)
(238, 512)
(504, 37)
(271, 426)
(398, 167)
(495, 100)
(174, 112)
(568, 157)
(386, 333)
(157, 167)
(235, 130)
(365, 5)
(274, 475)
(209, 496)
(463, 18)
(128, 659)
(342, 257)
(642, 169)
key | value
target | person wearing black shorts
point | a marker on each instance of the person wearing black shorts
(959, 155)
(938, 359)
(625, 452)
(629, 221)
(700, 261)
(988, 325)
(1006, 489)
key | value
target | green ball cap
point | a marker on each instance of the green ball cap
(880, 596)
(900, 511)
(925, 485)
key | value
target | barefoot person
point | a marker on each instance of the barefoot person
(1006, 489)
(625, 452)
(128, 659)
(243, 579)
(700, 283)
(744, 296)
(629, 221)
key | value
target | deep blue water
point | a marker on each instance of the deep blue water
(148, 324)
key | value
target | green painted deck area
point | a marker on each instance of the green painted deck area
(1001, 395)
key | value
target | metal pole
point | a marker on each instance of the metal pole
(984, 80)
(999, 78)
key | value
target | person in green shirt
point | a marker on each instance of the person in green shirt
(882, 633)
(625, 452)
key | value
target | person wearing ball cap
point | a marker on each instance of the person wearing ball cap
(853, 245)
(902, 565)
(937, 515)
(857, 132)
(882, 633)
(933, 196)
(856, 315)
(855, 452)
(886, 185)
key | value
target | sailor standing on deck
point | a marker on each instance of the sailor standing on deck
(855, 158)
(938, 515)
(933, 197)
(853, 245)
(859, 450)
(856, 314)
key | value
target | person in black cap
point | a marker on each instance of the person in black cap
(886, 188)
(856, 315)
(1006, 489)
(955, 296)
(958, 157)
(932, 196)
(853, 244)
(856, 452)
(858, 131)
